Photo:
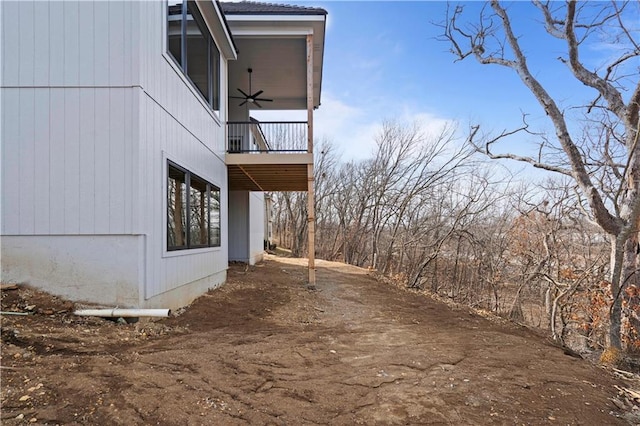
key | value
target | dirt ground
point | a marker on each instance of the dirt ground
(264, 350)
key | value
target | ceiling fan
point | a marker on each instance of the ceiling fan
(253, 98)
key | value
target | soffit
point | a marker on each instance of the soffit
(274, 46)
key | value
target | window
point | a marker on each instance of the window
(193, 210)
(193, 49)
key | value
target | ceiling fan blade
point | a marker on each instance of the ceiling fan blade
(253, 98)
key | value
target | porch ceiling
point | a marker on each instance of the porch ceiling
(274, 47)
(279, 69)
(267, 177)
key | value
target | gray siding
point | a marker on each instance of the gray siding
(65, 43)
(70, 92)
(256, 227)
(176, 125)
(69, 158)
(164, 138)
(92, 109)
(239, 226)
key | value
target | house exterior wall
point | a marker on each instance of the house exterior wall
(177, 126)
(268, 218)
(239, 226)
(246, 226)
(69, 155)
(256, 227)
(86, 268)
(92, 109)
(69, 124)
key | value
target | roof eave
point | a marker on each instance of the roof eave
(217, 23)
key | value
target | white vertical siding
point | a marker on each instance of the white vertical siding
(10, 47)
(56, 42)
(57, 163)
(101, 27)
(26, 44)
(70, 89)
(163, 138)
(10, 160)
(256, 226)
(86, 26)
(246, 226)
(71, 43)
(175, 124)
(102, 167)
(92, 108)
(117, 53)
(167, 86)
(117, 180)
(72, 178)
(41, 48)
(239, 226)
(42, 162)
(67, 43)
(26, 178)
(69, 160)
(87, 155)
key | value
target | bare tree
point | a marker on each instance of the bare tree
(604, 162)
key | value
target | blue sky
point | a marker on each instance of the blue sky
(383, 61)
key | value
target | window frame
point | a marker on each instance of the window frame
(214, 72)
(209, 190)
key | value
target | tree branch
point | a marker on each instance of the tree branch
(486, 151)
(586, 77)
(605, 219)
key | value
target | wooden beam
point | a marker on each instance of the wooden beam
(311, 215)
(268, 159)
(250, 177)
(268, 177)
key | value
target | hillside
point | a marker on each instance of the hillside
(265, 350)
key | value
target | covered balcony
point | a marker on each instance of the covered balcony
(278, 70)
(268, 155)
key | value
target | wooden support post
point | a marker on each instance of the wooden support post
(311, 215)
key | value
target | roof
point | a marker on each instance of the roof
(259, 8)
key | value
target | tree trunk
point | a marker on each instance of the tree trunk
(615, 313)
(629, 276)
(515, 313)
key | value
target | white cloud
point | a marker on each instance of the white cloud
(430, 124)
(353, 129)
(348, 127)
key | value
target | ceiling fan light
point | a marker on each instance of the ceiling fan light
(251, 97)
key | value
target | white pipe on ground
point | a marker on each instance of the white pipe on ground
(123, 313)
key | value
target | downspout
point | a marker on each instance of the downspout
(123, 313)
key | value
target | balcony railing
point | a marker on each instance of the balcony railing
(267, 136)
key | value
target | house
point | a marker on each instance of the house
(132, 170)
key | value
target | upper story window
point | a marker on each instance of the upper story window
(194, 50)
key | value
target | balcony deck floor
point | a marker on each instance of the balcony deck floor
(268, 171)
(267, 177)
